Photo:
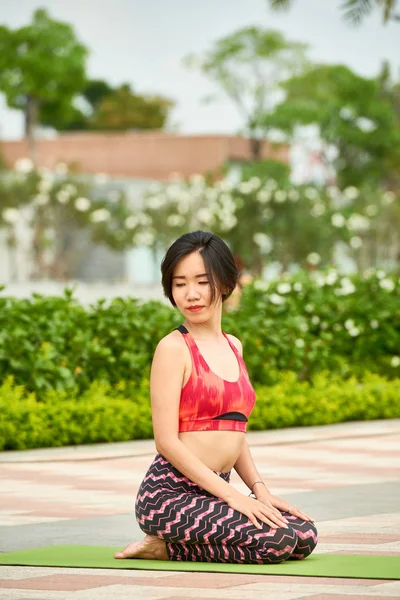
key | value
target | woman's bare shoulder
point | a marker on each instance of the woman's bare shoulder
(236, 341)
(172, 341)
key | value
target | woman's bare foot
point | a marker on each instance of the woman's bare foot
(151, 547)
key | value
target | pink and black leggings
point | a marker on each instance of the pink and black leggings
(197, 526)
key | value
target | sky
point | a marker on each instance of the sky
(143, 42)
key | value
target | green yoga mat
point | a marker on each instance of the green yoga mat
(316, 565)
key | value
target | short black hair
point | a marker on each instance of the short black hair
(219, 262)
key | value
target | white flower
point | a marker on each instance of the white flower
(228, 222)
(315, 320)
(204, 216)
(293, 195)
(145, 220)
(347, 287)
(41, 200)
(276, 299)
(196, 179)
(365, 124)
(70, 189)
(387, 284)
(317, 210)
(263, 241)
(23, 165)
(131, 222)
(371, 210)
(354, 332)
(349, 324)
(101, 178)
(324, 325)
(10, 215)
(46, 173)
(358, 223)
(374, 324)
(313, 258)
(395, 362)
(261, 285)
(271, 185)
(245, 187)
(388, 198)
(44, 186)
(299, 343)
(303, 327)
(62, 197)
(356, 242)
(280, 196)
(346, 113)
(331, 277)
(380, 274)
(311, 193)
(82, 204)
(351, 192)
(338, 220)
(309, 307)
(145, 238)
(297, 286)
(263, 196)
(100, 215)
(284, 288)
(175, 220)
(155, 202)
(61, 168)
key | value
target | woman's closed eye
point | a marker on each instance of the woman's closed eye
(182, 284)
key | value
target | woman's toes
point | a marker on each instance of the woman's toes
(129, 551)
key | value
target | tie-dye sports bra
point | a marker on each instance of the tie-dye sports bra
(209, 402)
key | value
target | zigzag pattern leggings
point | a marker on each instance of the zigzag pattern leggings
(197, 526)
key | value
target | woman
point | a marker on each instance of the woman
(201, 399)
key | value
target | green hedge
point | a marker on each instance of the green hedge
(303, 323)
(105, 414)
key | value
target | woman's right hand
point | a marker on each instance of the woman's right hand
(256, 511)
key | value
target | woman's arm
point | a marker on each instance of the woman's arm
(246, 469)
(165, 387)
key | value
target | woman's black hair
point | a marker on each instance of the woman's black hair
(219, 263)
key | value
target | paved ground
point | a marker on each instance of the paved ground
(345, 476)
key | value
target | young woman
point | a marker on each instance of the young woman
(201, 399)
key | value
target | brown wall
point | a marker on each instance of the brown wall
(151, 155)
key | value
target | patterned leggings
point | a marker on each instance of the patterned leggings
(197, 526)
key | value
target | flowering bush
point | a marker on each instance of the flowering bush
(309, 322)
(260, 219)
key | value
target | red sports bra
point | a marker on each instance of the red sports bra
(209, 402)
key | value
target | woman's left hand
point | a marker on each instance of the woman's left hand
(268, 499)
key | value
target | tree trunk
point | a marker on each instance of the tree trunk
(255, 147)
(31, 116)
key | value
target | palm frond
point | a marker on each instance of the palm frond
(388, 8)
(356, 10)
(280, 4)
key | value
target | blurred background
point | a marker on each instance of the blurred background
(275, 124)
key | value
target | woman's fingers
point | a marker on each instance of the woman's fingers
(267, 517)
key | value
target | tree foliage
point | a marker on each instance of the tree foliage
(248, 66)
(40, 62)
(354, 11)
(359, 117)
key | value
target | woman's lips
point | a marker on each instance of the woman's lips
(194, 308)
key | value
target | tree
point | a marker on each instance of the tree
(248, 65)
(64, 114)
(41, 62)
(354, 10)
(356, 116)
(123, 109)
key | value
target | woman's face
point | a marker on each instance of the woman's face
(191, 288)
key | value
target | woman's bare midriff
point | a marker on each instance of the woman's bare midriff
(218, 450)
